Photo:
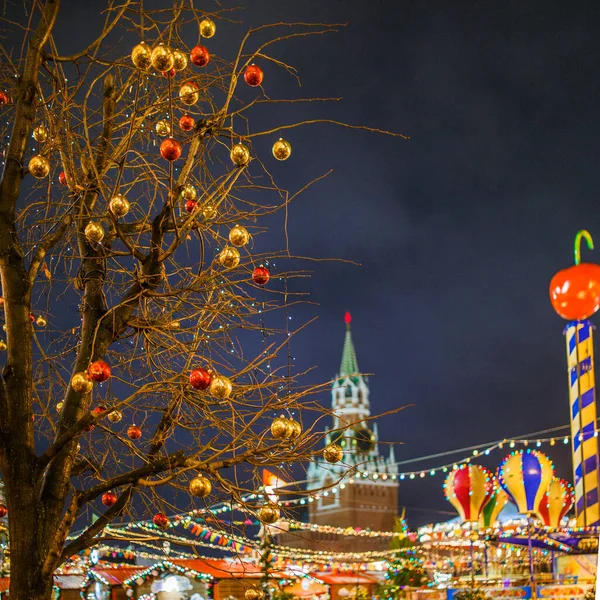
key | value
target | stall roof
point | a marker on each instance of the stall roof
(118, 575)
(69, 582)
(344, 578)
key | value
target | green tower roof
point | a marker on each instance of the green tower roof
(349, 364)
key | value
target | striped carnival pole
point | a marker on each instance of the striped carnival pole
(582, 399)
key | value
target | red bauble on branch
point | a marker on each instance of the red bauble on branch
(109, 498)
(187, 123)
(190, 205)
(62, 178)
(261, 275)
(134, 432)
(98, 410)
(200, 379)
(3, 98)
(200, 56)
(170, 149)
(3, 511)
(170, 73)
(161, 520)
(253, 75)
(99, 371)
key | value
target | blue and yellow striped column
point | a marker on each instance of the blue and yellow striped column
(584, 443)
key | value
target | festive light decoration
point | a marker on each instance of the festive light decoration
(209, 211)
(170, 149)
(160, 567)
(556, 502)
(39, 166)
(162, 58)
(163, 128)
(207, 28)
(253, 75)
(189, 93)
(239, 236)
(261, 275)
(333, 453)
(3, 98)
(229, 257)
(62, 178)
(240, 155)
(81, 383)
(109, 498)
(268, 514)
(59, 406)
(188, 192)
(525, 477)
(190, 206)
(200, 56)
(40, 133)
(99, 371)
(41, 321)
(254, 593)
(119, 205)
(200, 486)
(141, 56)
(200, 379)
(280, 428)
(492, 508)
(3, 346)
(161, 520)
(282, 150)
(469, 488)
(3, 511)
(187, 123)
(180, 61)
(220, 387)
(134, 432)
(94, 232)
(115, 416)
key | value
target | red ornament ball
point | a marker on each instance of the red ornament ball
(3, 511)
(170, 149)
(187, 123)
(109, 498)
(253, 75)
(200, 56)
(31, 317)
(200, 379)
(261, 275)
(98, 410)
(190, 205)
(62, 178)
(3, 98)
(161, 520)
(170, 73)
(99, 371)
(134, 432)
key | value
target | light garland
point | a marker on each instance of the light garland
(347, 531)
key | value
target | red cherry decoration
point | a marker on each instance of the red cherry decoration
(200, 56)
(3, 511)
(200, 379)
(170, 149)
(170, 73)
(161, 520)
(575, 292)
(187, 123)
(134, 432)
(190, 205)
(109, 498)
(62, 178)
(99, 371)
(261, 275)
(253, 75)
(3, 98)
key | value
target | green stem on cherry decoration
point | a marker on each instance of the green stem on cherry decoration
(583, 233)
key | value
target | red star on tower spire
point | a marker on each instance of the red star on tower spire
(347, 318)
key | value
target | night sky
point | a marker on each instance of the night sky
(459, 230)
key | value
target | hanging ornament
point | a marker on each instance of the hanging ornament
(333, 453)
(240, 155)
(239, 236)
(490, 512)
(119, 205)
(261, 275)
(295, 429)
(81, 383)
(207, 28)
(162, 58)
(62, 178)
(268, 514)
(188, 192)
(200, 379)
(3, 511)
(40, 134)
(3, 98)
(39, 166)
(187, 123)
(282, 149)
(141, 56)
(114, 416)
(200, 56)
(209, 211)
(200, 486)
(253, 75)
(221, 387)
(41, 321)
(190, 206)
(94, 232)
(109, 498)
(59, 406)
(229, 257)
(254, 593)
(469, 488)
(189, 93)
(134, 432)
(281, 428)
(170, 149)
(162, 128)
(99, 371)
(180, 61)
(161, 520)
(3, 346)
(170, 73)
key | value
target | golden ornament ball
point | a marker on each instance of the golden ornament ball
(163, 128)
(180, 61)
(220, 387)
(207, 28)
(240, 155)
(269, 514)
(189, 93)
(282, 149)
(3, 346)
(81, 383)
(114, 416)
(141, 56)
(295, 429)
(40, 321)
(253, 594)
(94, 232)
(229, 257)
(188, 192)
(239, 236)
(473, 536)
(40, 134)
(280, 428)
(162, 58)
(209, 212)
(119, 205)
(39, 166)
(200, 486)
(333, 453)
(59, 406)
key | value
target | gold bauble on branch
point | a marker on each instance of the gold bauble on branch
(269, 514)
(239, 236)
(94, 232)
(189, 93)
(209, 212)
(333, 453)
(229, 257)
(280, 428)
(200, 486)
(240, 155)
(162, 58)
(39, 166)
(81, 383)
(282, 149)
(119, 205)
(59, 406)
(3, 346)
(253, 594)
(188, 192)
(141, 56)
(295, 429)
(114, 416)
(40, 321)
(163, 128)
(220, 387)
(180, 61)
(207, 28)
(40, 133)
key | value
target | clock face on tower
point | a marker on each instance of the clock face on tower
(365, 440)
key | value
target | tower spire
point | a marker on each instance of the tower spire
(349, 364)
